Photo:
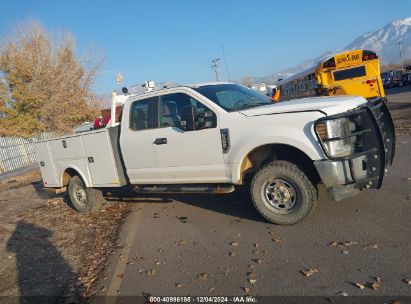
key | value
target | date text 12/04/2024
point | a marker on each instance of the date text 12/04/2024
(199, 299)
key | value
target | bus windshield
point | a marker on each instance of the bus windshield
(385, 75)
(233, 97)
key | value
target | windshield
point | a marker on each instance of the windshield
(233, 97)
(385, 75)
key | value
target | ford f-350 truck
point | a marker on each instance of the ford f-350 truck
(215, 137)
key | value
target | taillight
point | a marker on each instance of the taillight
(368, 55)
(330, 63)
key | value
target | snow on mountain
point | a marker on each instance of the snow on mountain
(383, 41)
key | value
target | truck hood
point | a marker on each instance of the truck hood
(328, 105)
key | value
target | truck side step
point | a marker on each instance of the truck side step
(184, 189)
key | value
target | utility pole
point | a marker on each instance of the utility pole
(215, 67)
(399, 45)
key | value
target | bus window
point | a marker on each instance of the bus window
(349, 73)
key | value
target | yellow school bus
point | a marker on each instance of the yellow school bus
(354, 72)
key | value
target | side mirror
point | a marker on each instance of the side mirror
(206, 119)
(124, 90)
(188, 118)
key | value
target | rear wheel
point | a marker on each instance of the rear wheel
(282, 193)
(82, 198)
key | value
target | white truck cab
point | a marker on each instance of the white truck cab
(214, 137)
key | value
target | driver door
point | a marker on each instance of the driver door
(187, 156)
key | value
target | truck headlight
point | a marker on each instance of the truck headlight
(335, 136)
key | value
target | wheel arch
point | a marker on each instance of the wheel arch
(71, 171)
(261, 155)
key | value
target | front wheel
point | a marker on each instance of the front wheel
(282, 193)
(82, 198)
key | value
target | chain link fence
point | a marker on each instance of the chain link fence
(17, 152)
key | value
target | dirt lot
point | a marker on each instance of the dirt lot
(47, 248)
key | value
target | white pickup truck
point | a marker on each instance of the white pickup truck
(215, 137)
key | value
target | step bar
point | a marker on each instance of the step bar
(184, 189)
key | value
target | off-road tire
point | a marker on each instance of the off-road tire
(306, 193)
(93, 197)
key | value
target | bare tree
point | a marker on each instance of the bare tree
(390, 67)
(247, 81)
(44, 86)
(395, 66)
(270, 81)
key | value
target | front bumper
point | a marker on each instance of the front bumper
(337, 178)
(346, 176)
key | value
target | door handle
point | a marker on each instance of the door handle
(160, 141)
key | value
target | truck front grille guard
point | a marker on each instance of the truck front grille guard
(375, 139)
(384, 120)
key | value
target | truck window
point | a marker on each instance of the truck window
(141, 114)
(173, 105)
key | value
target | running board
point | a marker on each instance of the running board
(184, 189)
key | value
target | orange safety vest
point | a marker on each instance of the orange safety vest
(276, 96)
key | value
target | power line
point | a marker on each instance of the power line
(226, 64)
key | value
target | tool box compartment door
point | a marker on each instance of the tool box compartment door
(47, 168)
(100, 159)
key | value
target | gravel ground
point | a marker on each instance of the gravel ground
(399, 103)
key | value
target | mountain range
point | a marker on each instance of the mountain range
(383, 41)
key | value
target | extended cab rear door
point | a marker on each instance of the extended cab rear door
(137, 146)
